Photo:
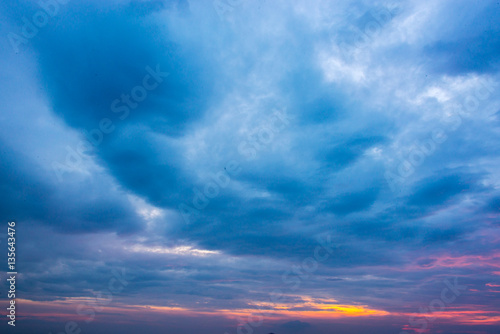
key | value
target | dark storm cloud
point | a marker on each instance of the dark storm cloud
(94, 54)
(353, 202)
(28, 194)
(436, 191)
(477, 48)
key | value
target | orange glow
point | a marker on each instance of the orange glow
(307, 307)
(304, 307)
(319, 308)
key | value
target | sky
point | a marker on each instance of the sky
(237, 166)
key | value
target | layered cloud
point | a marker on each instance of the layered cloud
(340, 155)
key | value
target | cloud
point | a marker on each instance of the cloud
(295, 326)
(276, 131)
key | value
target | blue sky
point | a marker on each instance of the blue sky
(206, 156)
